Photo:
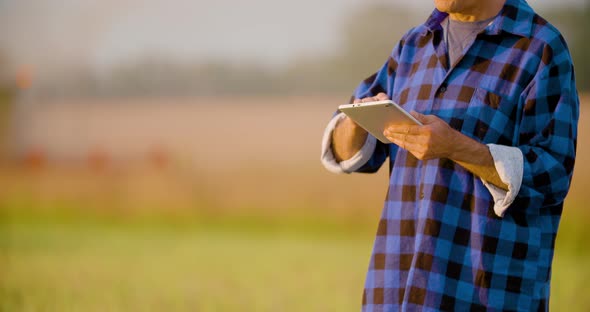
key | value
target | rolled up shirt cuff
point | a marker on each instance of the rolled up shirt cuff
(349, 165)
(509, 163)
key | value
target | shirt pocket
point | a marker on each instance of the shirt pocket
(490, 118)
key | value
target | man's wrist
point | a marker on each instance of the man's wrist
(475, 157)
(347, 139)
(458, 145)
(467, 150)
(350, 124)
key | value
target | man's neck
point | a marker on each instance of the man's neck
(484, 10)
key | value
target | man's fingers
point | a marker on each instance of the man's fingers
(424, 119)
(409, 138)
(398, 129)
(409, 143)
(396, 136)
(369, 99)
(405, 129)
(395, 140)
(379, 97)
(416, 115)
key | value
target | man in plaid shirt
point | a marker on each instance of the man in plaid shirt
(476, 193)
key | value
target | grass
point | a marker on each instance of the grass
(78, 263)
(93, 266)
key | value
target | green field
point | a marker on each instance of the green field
(76, 263)
(101, 266)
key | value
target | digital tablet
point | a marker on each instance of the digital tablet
(376, 116)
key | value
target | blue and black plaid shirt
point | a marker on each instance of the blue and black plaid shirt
(439, 245)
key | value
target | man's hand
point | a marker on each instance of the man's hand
(432, 140)
(379, 97)
(348, 137)
(436, 139)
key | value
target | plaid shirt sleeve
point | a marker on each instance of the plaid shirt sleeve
(368, 160)
(508, 161)
(548, 130)
(379, 82)
(346, 166)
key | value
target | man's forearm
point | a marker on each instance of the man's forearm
(477, 159)
(347, 139)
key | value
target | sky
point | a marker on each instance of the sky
(106, 33)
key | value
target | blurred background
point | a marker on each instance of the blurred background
(164, 155)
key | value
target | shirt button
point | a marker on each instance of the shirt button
(421, 195)
(443, 89)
